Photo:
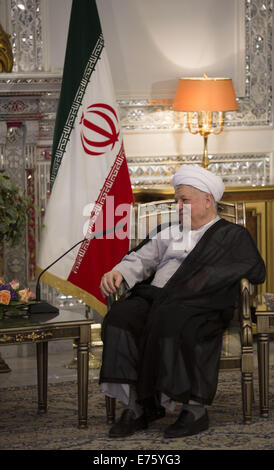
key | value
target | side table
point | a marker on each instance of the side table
(263, 325)
(43, 327)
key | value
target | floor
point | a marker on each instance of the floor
(23, 369)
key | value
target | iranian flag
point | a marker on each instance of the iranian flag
(90, 185)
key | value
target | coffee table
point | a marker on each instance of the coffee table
(42, 328)
(263, 326)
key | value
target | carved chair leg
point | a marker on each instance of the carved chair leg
(247, 395)
(110, 409)
(253, 392)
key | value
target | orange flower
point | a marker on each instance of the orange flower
(4, 297)
(25, 294)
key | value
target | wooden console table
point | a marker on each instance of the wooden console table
(44, 327)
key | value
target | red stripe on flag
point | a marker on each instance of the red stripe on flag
(102, 254)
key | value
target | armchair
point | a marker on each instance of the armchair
(237, 346)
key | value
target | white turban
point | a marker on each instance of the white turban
(200, 178)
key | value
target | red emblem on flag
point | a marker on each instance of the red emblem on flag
(99, 129)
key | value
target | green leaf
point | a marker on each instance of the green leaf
(3, 227)
(13, 210)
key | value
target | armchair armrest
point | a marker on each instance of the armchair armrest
(247, 360)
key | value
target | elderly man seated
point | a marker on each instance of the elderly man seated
(164, 340)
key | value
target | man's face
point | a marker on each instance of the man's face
(199, 201)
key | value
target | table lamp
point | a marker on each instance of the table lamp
(205, 96)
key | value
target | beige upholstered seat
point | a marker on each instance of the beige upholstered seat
(237, 347)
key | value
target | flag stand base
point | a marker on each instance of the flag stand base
(4, 368)
(94, 360)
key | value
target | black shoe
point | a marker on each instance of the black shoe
(186, 425)
(128, 424)
(153, 410)
(155, 413)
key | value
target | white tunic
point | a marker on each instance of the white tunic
(164, 253)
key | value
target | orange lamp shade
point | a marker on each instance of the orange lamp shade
(205, 94)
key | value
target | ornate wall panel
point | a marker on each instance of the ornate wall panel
(26, 37)
(255, 107)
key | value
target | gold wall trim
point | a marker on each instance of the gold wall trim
(168, 192)
(251, 189)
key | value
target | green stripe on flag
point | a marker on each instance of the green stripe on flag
(79, 64)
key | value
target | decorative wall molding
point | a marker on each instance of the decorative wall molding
(38, 82)
(255, 107)
(3, 132)
(236, 170)
(32, 132)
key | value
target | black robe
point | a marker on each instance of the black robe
(169, 339)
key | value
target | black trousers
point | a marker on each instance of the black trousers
(122, 330)
(170, 363)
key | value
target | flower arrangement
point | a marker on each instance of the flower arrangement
(12, 297)
(14, 211)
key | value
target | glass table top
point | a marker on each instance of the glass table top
(39, 319)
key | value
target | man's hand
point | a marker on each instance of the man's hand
(110, 282)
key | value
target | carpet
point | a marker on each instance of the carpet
(21, 428)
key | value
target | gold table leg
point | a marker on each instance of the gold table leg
(82, 375)
(42, 376)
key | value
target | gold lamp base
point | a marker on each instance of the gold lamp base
(205, 128)
(205, 161)
(4, 368)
